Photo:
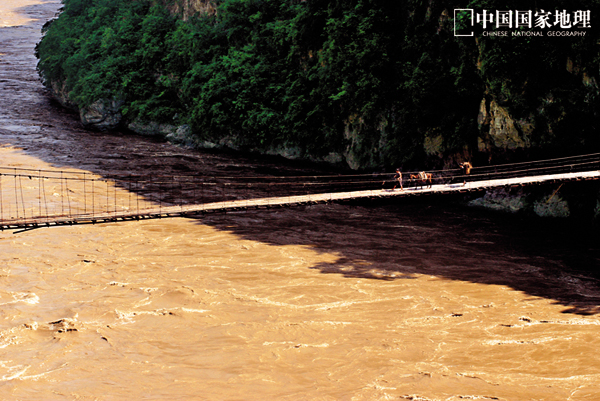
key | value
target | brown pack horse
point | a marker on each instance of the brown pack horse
(422, 179)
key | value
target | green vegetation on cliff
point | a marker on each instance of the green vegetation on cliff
(381, 83)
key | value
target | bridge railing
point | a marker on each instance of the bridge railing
(514, 170)
(36, 196)
(42, 196)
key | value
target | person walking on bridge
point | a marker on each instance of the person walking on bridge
(398, 177)
(466, 170)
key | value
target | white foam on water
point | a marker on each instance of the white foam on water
(25, 297)
(14, 372)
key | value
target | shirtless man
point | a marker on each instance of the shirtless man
(466, 168)
(398, 177)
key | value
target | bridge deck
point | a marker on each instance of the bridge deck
(268, 202)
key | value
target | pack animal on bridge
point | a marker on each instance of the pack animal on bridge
(421, 179)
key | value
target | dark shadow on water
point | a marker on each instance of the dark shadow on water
(386, 241)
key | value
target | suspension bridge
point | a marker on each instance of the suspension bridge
(32, 199)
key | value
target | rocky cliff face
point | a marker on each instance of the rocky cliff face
(576, 201)
(499, 130)
(102, 115)
(188, 8)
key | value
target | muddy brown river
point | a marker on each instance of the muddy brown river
(390, 301)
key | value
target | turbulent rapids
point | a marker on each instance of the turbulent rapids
(393, 300)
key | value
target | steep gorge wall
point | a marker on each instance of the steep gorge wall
(434, 100)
